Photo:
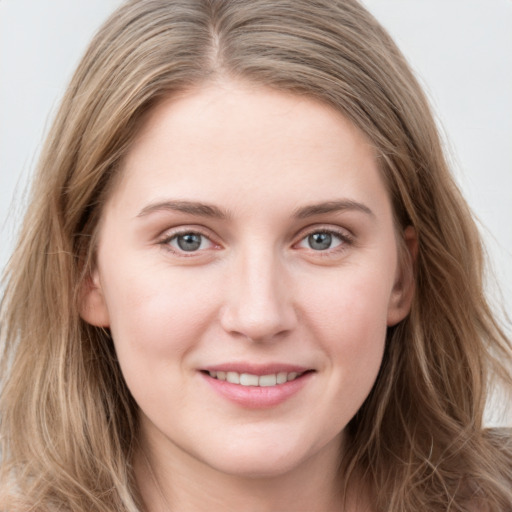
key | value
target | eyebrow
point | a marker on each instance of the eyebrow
(207, 210)
(190, 207)
(331, 207)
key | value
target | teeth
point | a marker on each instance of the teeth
(233, 377)
(247, 379)
(268, 380)
(282, 377)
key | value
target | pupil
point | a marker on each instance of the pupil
(320, 241)
(189, 242)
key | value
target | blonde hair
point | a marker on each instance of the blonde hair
(68, 423)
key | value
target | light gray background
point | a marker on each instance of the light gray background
(461, 50)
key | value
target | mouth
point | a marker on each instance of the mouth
(257, 386)
(250, 379)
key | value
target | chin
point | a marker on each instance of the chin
(256, 468)
(260, 460)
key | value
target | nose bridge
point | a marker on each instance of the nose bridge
(259, 304)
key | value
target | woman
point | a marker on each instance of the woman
(247, 280)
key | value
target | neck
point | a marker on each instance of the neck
(177, 481)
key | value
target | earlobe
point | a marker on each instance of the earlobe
(403, 289)
(92, 306)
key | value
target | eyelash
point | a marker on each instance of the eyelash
(344, 238)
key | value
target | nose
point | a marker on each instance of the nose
(259, 304)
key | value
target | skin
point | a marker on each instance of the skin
(255, 291)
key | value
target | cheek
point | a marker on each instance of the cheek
(157, 318)
(345, 314)
(156, 313)
(348, 302)
(349, 320)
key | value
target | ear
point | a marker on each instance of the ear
(403, 289)
(92, 307)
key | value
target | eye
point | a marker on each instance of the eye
(323, 240)
(188, 242)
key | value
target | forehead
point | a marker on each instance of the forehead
(234, 139)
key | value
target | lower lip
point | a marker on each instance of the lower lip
(258, 397)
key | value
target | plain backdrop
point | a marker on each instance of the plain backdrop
(461, 51)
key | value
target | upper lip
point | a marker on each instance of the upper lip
(256, 369)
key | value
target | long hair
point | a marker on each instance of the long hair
(68, 423)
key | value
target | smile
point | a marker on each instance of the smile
(248, 379)
(257, 387)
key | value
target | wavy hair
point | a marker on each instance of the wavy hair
(68, 423)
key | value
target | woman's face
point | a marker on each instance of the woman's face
(247, 268)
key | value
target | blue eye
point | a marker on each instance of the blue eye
(322, 241)
(189, 242)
